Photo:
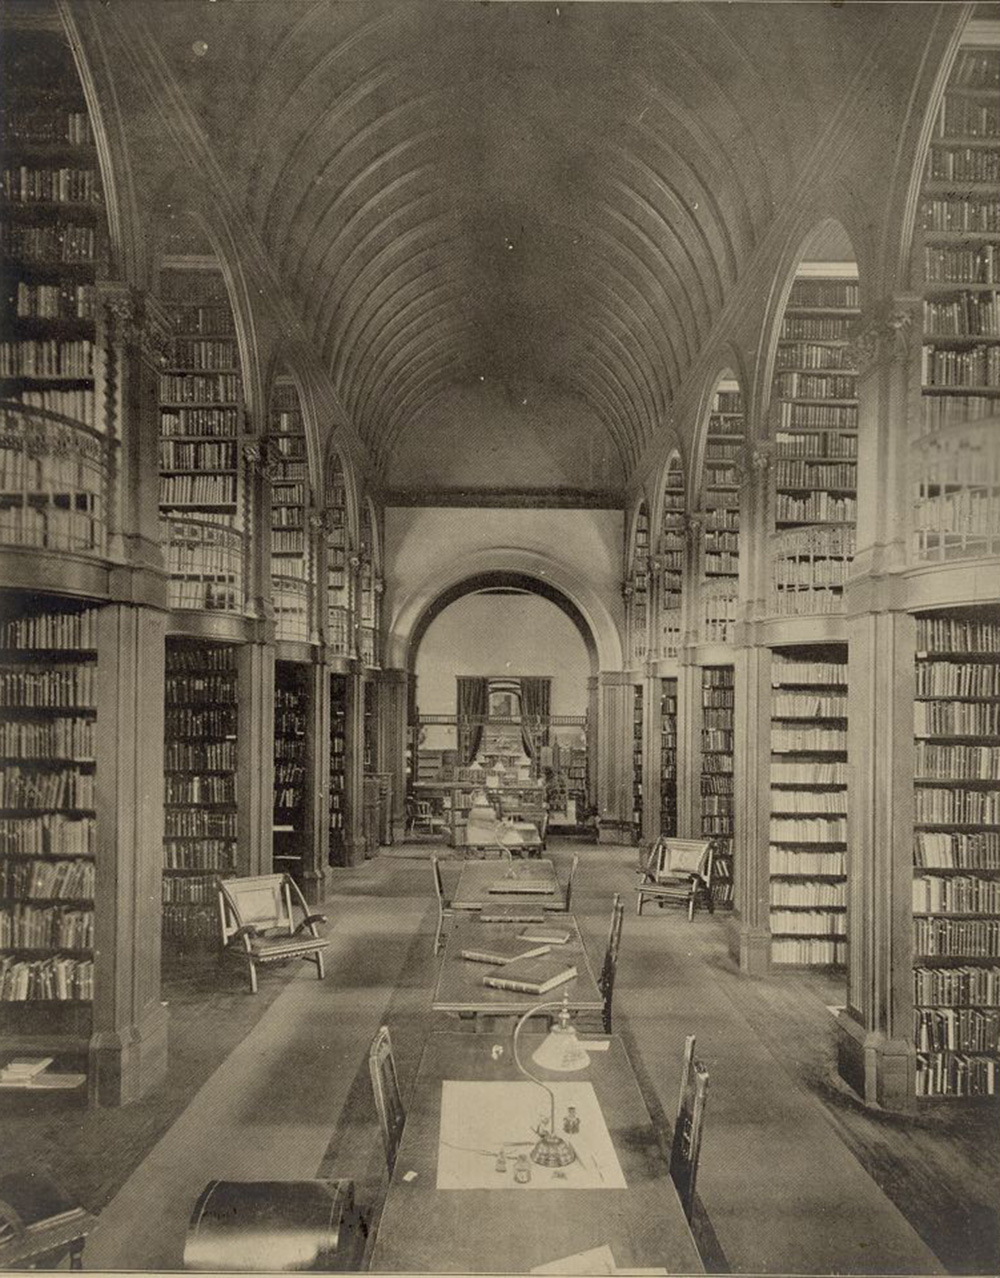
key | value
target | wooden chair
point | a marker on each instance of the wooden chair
(606, 981)
(686, 1146)
(569, 885)
(678, 870)
(40, 1226)
(423, 817)
(385, 1089)
(258, 921)
(444, 905)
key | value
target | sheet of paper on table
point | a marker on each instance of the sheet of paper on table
(479, 1119)
(598, 1260)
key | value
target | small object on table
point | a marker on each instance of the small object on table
(501, 1163)
(522, 1171)
(571, 1123)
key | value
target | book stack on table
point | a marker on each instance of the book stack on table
(33, 1072)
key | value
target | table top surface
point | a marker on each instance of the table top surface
(460, 985)
(477, 877)
(424, 1229)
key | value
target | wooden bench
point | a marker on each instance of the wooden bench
(258, 922)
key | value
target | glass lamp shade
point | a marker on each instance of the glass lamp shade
(561, 1050)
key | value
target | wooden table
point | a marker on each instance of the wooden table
(427, 1230)
(472, 892)
(460, 990)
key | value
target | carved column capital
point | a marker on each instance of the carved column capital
(134, 319)
(262, 458)
(885, 332)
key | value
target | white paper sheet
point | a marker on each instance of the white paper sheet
(479, 1119)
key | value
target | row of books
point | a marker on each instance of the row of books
(818, 507)
(955, 214)
(212, 423)
(25, 185)
(39, 927)
(798, 473)
(937, 806)
(717, 784)
(813, 328)
(823, 293)
(210, 455)
(957, 762)
(955, 1074)
(963, 164)
(56, 978)
(820, 829)
(958, 679)
(194, 789)
(721, 563)
(825, 773)
(808, 922)
(957, 985)
(51, 630)
(72, 476)
(205, 356)
(976, 68)
(811, 355)
(78, 405)
(808, 951)
(51, 739)
(55, 301)
(950, 1029)
(190, 925)
(716, 762)
(285, 493)
(32, 126)
(716, 740)
(971, 366)
(962, 511)
(198, 490)
(200, 659)
(48, 526)
(47, 878)
(63, 788)
(187, 689)
(807, 740)
(797, 385)
(189, 891)
(811, 893)
(191, 823)
(66, 243)
(199, 756)
(47, 357)
(210, 320)
(957, 849)
(810, 801)
(783, 860)
(199, 388)
(717, 698)
(727, 540)
(289, 541)
(957, 635)
(207, 854)
(48, 834)
(960, 938)
(960, 264)
(827, 417)
(956, 894)
(805, 705)
(815, 443)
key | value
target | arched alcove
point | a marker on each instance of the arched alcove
(293, 562)
(723, 437)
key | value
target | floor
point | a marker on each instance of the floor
(796, 1176)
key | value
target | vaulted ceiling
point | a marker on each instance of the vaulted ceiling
(509, 227)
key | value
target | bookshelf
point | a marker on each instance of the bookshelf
(48, 698)
(201, 408)
(814, 477)
(291, 718)
(338, 586)
(637, 796)
(668, 757)
(720, 561)
(956, 852)
(200, 766)
(291, 558)
(54, 460)
(672, 544)
(338, 769)
(808, 823)
(718, 706)
(956, 457)
(369, 590)
(639, 591)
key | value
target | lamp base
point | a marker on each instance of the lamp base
(553, 1151)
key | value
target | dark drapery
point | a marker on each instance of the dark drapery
(473, 703)
(536, 699)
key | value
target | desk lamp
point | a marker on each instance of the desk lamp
(560, 1050)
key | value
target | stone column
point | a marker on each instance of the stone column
(255, 756)
(394, 725)
(616, 692)
(651, 759)
(353, 840)
(750, 930)
(688, 747)
(316, 850)
(593, 721)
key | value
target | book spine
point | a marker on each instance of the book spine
(526, 987)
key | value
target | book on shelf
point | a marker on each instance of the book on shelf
(546, 935)
(531, 976)
(501, 952)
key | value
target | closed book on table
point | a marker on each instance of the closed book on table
(543, 935)
(526, 887)
(531, 976)
(497, 953)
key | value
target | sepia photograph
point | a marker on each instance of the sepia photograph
(500, 637)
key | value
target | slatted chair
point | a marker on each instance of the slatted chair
(258, 922)
(444, 905)
(686, 1148)
(385, 1089)
(565, 907)
(423, 817)
(678, 871)
(585, 1021)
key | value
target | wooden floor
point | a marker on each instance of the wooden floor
(940, 1167)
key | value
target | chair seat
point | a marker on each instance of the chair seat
(275, 947)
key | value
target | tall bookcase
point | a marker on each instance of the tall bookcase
(718, 706)
(639, 598)
(668, 757)
(672, 543)
(338, 767)
(53, 457)
(200, 808)
(808, 827)
(338, 594)
(291, 559)
(721, 506)
(291, 719)
(201, 407)
(637, 792)
(956, 456)
(48, 816)
(815, 469)
(956, 852)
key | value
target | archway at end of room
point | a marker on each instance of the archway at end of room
(501, 668)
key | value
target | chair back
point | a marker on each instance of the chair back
(438, 881)
(569, 881)
(685, 856)
(263, 901)
(686, 1146)
(385, 1089)
(607, 981)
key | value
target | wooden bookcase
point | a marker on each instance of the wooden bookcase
(672, 544)
(200, 802)
(291, 758)
(956, 852)
(720, 562)
(718, 696)
(53, 456)
(637, 753)
(808, 825)
(338, 593)
(48, 819)
(668, 757)
(201, 470)
(291, 560)
(338, 768)
(814, 477)
(639, 597)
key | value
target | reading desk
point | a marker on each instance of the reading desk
(479, 881)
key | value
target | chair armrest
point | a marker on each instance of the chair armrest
(309, 920)
(247, 929)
